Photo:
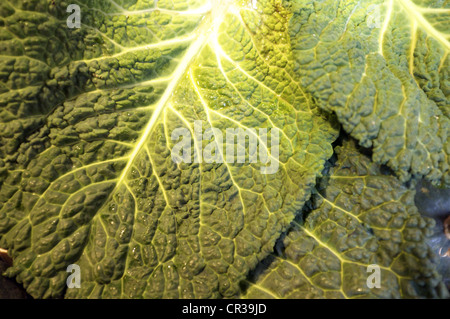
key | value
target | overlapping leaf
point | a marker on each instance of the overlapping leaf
(383, 68)
(87, 114)
(359, 217)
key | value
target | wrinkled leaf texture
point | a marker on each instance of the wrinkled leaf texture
(86, 174)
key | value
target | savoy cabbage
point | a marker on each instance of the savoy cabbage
(87, 175)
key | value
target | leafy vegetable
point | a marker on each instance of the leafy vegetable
(388, 83)
(87, 174)
(102, 190)
(359, 217)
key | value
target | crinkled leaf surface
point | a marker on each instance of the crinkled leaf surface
(86, 173)
(383, 68)
(359, 217)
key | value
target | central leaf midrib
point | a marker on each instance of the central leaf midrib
(202, 36)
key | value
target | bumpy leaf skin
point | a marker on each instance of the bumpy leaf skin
(383, 68)
(86, 171)
(359, 217)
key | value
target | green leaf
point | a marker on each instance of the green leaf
(86, 174)
(383, 68)
(358, 217)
